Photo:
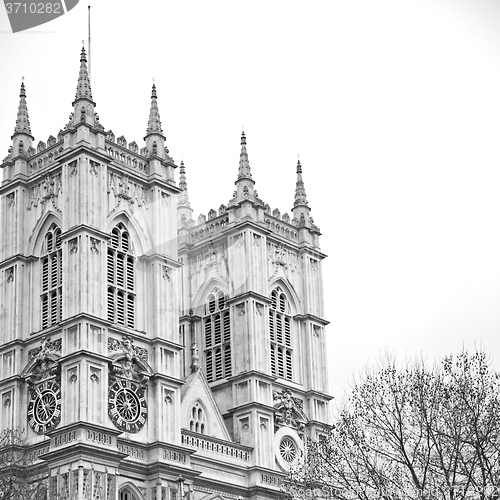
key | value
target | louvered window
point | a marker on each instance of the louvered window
(280, 335)
(51, 298)
(217, 334)
(121, 278)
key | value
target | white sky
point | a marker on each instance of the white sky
(393, 107)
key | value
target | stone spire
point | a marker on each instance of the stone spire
(183, 199)
(83, 90)
(300, 192)
(244, 168)
(22, 121)
(154, 124)
(300, 208)
(244, 183)
(184, 210)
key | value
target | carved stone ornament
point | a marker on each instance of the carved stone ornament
(127, 347)
(10, 275)
(94, 245)
(73, 245)
(73, 168)
(288, 411)
(195, 357)
(93, 167)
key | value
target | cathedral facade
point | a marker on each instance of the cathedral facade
(146, 354)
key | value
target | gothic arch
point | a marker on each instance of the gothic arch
(192, 418)
(131, 488)
(290, 293)
(36, 239)
(203, 293)
(140, 239)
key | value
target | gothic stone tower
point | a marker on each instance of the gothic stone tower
(252, 310)
(148, 362)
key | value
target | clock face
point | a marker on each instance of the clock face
(44, 407)
(127, 406)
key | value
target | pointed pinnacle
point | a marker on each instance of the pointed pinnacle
(154, 123)
(183, 199)
(22, 121)
(300, 192)
(244, 168)
(83, 90)
(182, 178)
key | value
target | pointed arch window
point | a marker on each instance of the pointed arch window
(127, 494)
(51, 260)
(280, 335)
(197, 420)
(121, 278)
(217, 336)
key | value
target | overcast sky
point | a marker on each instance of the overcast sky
(393, 107)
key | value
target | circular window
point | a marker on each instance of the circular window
(288, 449)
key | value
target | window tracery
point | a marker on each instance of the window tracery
(280, 335)
(217, 336)
(197, 420)
(121, 278)
(52, 277)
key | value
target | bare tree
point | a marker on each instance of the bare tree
(20, 478)
(412, 433)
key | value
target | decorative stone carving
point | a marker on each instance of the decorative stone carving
(45, 347)
(195, 357)
(10, 274)
(73, 168)
(94, 245)
(288, 411)
(93, 167)
(165, 273)
(126, 346)
(73, 245)
(72, 375)
(95, 375)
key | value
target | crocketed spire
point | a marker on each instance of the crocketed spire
(183, 199)
(300, 192)
(154, 124)
(244, 168)
(83, 90)
(22, 121)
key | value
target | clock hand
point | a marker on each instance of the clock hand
(40, 396)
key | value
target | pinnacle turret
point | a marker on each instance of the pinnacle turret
(154, 123)
(83, 90)
(244, 168)
(183, 200)
(22, 121)
(301, 210)
(300, 192)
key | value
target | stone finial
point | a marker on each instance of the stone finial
(244, 167)
(22, 121)
(195, 357)
(83, 90)
(300, 192)
(183, 199)
(154, 123)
